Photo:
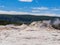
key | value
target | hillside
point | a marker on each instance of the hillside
(19, 19)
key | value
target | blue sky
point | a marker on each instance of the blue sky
(47, 7)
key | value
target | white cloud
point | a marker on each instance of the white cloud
(40, 8)
(45, 14)
(25, 0)
(55, 9)
(12, 12)
(36, 14)
(35, 11)
(45, 11)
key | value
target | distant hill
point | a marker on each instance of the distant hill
(19, 19)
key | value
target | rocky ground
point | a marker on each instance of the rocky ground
(34, 34)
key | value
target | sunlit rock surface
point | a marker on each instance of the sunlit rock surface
(36, 33)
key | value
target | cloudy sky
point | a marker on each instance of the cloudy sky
(40, 7)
